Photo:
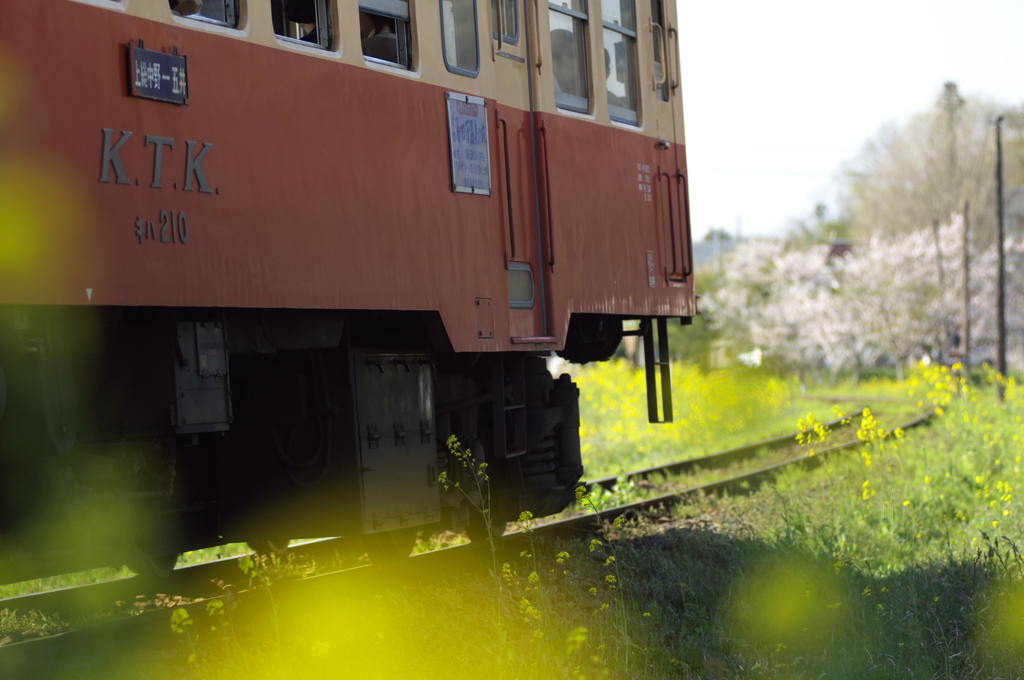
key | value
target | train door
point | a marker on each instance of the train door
(512, 48)
(666, 109)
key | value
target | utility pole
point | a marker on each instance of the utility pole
(716, 248)
(944, 329)
(953, 102)
(1001, 265)
(965, 309)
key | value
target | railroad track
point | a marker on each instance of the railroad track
(197, 580)
(717, 460)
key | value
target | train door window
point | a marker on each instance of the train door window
(620, 58)
(305, 21)
(458, 31)
(224, 12)
(521, 293)
(508, 18)
(660, 76)
(569, 54)
(384, 29)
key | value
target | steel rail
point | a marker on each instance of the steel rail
(719, 459)
(741, 483)
(429, 566)
(198, 578)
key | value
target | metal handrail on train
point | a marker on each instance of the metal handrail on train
(673, 32)
(688, 235)
(671, 224)
(664, 50)
(547, 183)
(683, 266)
(508, 191)
(536, 19)
(684, 238)
(501, 30)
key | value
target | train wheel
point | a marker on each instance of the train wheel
(154, 566)
(388, 546)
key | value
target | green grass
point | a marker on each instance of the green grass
(712, 411)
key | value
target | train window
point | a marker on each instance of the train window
(620, 58)
(305, 21)
(385, 31)
(660, 79)
(224, 12)
(520, 285)
(458, 30)
(509, 18)
(568, 52)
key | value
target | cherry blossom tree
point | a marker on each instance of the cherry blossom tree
(891, 298)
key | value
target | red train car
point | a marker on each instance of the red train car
(260, 259)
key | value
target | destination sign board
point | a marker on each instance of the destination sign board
(467, 132)
(157, 75)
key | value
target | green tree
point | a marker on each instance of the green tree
(817, 229)
(720, 232)
(909, 176)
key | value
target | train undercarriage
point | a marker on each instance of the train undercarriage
(130, 435)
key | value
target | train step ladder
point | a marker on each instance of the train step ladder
(656, 358)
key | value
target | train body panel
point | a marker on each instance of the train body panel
(306, 183)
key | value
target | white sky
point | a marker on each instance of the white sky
(777, 96)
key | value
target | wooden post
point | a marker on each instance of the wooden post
(943, 329)
(1001, 264)
(965, 309)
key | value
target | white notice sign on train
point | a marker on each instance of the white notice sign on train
(470, 144)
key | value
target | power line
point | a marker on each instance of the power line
(781, 173)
